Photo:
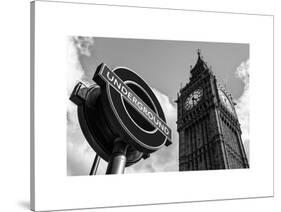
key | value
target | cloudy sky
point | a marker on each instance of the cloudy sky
(164, 65)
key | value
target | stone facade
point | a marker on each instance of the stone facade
(209, 133)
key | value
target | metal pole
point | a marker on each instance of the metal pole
(95, 165)
(118, 158)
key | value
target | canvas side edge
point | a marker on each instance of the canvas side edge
(32, 106)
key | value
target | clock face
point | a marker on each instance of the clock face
(193, 99)
(225, 101)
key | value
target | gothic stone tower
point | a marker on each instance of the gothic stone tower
(208, 127)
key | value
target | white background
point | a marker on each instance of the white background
(15, 102)
(50, 122)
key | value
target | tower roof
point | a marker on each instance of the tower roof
(200, 65)
(199, 68)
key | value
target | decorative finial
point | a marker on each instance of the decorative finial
(199, 52)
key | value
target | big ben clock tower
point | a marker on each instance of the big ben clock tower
(208, 126)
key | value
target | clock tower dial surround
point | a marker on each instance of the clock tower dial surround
(193, 99)
(208, 127)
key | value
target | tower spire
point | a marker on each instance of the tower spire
(199, 53)
(199, 67)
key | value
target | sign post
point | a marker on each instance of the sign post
(95, 166)
(118, 158)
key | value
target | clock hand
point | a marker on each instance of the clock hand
(193, 101)
(196, 98)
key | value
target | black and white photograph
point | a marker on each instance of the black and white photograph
(148, 106)
(200, 90)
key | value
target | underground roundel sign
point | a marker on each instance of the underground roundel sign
(133, 108)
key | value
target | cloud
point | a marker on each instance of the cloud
(84, 44)
(165, 159)
(243, 104)
(74, 74)
(76, 46)
(80, 155)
